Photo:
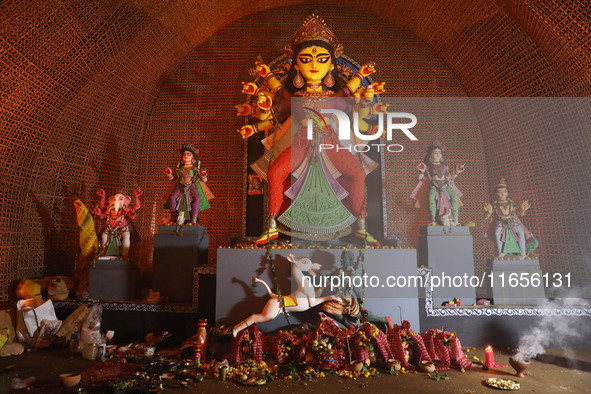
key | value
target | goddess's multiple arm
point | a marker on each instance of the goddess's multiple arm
(262, 106)
(364, 107)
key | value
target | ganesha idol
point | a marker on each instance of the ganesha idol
(327, 189)
(119, 215)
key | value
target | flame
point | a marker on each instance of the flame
(488, 348)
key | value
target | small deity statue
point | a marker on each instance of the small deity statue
(120, 214)
(329, 193)
(188, 195)
(436, 189)
(504, 225)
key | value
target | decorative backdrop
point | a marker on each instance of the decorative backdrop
(87, 87)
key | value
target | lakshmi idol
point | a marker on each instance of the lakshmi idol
(328, 187)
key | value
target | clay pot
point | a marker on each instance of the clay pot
(519, 366)
(427, 366)
(356, 366)
(69, 379)
(394, 363)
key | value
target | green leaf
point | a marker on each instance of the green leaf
(438, 377)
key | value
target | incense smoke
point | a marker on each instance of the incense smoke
(556, 330)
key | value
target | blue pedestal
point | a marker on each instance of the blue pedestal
(175, 256)
(237, 298)
(448, 251)
(113, 280)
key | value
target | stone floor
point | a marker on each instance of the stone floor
(556, 371)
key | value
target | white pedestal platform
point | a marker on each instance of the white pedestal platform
(449, 252)
(516, 282)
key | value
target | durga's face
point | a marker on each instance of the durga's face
(314, 63)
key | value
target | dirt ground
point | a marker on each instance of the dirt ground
(557, 371)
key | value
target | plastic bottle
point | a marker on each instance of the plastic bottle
(75, 339)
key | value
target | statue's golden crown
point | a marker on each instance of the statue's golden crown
(188, 146)
(502, 183)
(435, 144)
(314, 28)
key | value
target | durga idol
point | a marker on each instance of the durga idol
(327, 191)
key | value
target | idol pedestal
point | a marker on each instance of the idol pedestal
(237, 298)
(113, 280)
(448, 251)
(515, 282)
(175, 256)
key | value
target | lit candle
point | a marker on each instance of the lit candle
(490, 357)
